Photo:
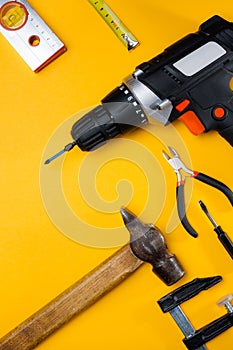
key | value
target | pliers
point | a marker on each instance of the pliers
(177, 165)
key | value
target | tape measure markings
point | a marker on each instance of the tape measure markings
(119, 29)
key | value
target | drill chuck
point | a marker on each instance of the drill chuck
(118, 113)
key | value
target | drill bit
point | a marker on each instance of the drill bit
(148, 244)
(222, 236)
(67, 148)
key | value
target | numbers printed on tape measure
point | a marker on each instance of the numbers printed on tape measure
(120, 30)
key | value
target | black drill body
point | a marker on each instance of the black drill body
(189, 81)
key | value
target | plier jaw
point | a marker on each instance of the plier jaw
(177, 165)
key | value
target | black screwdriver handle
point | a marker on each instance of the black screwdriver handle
(216, 184)
(209, 332)
(181, 210)
(225, 240)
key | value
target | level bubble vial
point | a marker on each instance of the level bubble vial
(13, 15)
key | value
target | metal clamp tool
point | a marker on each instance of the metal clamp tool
(196, 339)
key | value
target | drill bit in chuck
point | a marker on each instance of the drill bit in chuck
(67, 148)
(148, 244)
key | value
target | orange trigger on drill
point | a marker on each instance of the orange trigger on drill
(191, 120)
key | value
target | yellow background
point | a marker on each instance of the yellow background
(37, 261)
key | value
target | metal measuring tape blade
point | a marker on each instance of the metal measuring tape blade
(113, 21)
(29, 34)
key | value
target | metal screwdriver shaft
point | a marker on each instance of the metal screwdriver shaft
(222, 236)
(67, 148)
(204, 208)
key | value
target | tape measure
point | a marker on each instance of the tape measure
(29, 34)
(120, 30)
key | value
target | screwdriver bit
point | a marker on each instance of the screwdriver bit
(67, 148)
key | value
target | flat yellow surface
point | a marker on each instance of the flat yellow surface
(37, 261)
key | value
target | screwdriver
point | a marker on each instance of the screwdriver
(222, 236)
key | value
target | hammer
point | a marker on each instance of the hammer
(72, 301)
(96, 284)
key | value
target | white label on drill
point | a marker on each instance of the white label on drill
(200, 58)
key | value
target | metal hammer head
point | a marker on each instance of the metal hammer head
(148, 244)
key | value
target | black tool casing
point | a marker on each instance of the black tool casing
(195, 74)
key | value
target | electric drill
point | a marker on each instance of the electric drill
(189, 81)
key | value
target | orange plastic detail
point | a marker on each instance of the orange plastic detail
(195, 173)
(190, 119)
(182, 105)
(219, 112)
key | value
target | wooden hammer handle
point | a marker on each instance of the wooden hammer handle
(72, 301)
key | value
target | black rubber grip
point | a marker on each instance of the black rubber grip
(225, 240)
(216, 184)
(209, 332)
(181, 211)
(94, 129)
(118, 114)
(227, 134)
